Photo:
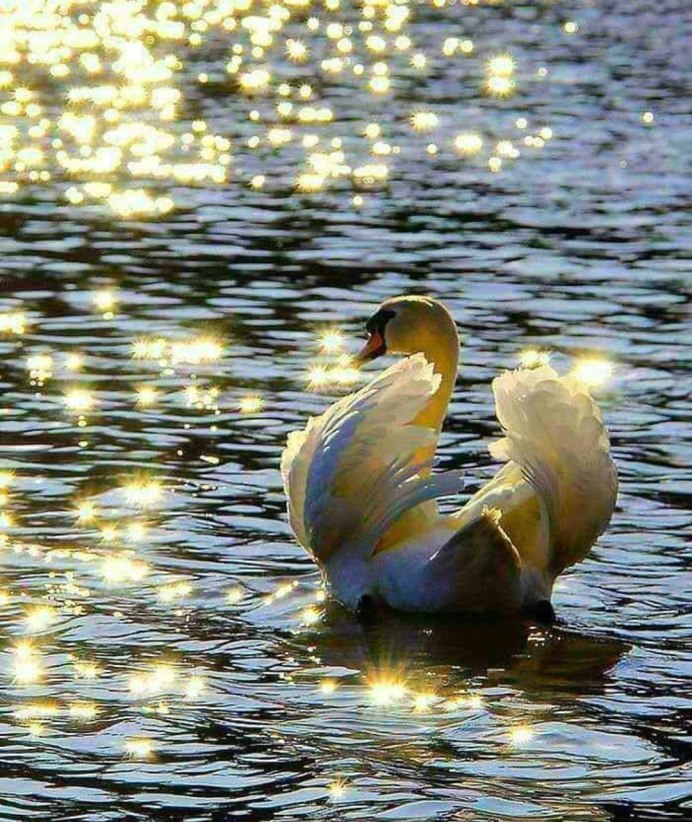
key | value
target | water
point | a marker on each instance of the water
(238, 694)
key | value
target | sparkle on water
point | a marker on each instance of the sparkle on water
(122, 131)
(532, 358)
(593, 371)
(202, 202)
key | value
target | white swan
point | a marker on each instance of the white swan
(362, 495)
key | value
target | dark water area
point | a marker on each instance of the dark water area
(184, 665)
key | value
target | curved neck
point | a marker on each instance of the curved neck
(440, 345)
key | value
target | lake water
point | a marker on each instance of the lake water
(166, 653)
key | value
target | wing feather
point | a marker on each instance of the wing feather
(554, 431)
(353, 469)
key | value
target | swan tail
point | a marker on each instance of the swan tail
(554, 432)
(478, 570)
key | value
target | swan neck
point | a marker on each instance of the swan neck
(439, 343)
(442, 351)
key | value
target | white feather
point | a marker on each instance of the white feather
(554, 432)
(353, 471)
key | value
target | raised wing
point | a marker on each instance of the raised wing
(554, 432)
(352, 472)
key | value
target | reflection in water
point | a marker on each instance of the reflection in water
(538, 662)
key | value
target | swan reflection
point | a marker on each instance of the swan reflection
(537, 660)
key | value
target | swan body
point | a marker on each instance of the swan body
(362, 495)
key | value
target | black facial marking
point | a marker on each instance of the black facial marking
(378, 321)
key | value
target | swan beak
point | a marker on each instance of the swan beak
(374, 347)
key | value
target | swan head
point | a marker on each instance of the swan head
(408, 325)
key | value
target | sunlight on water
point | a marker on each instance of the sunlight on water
(123, 129)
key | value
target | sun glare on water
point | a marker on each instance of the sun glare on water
(386, 689)
(95, 99)
(593, 371)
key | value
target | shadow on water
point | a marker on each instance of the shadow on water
(534, 659)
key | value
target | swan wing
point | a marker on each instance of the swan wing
(353, 470)
(554, 433)
(295, 462)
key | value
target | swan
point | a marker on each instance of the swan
(362, 495)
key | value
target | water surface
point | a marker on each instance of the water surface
(251, 697)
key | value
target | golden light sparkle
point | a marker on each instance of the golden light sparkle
(502, 65)
(251, 404)
(173, 591)
(337, 789)
(387, 689)
(196, 351)
(150, 349)
(499, 86)
(195, 687)
(139, 748)
(40, 617)
(593, 371)
(105, 301)
(85, 669)
(648, 118)
(146, 396)
(83, 710)
(468, 143)
(26, 665)
(136, 531)
(423, 702)
(234, 595)
(424, 120)
(122, 568)
(331, 341)
(79, 400)
(160, 679)
(310, 615)
(74, 362)
(521, 735)
(471, 701)
(13, 322)
(37, 710)
(40, 367)
(143, 492)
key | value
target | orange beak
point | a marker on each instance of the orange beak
(374, 347)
